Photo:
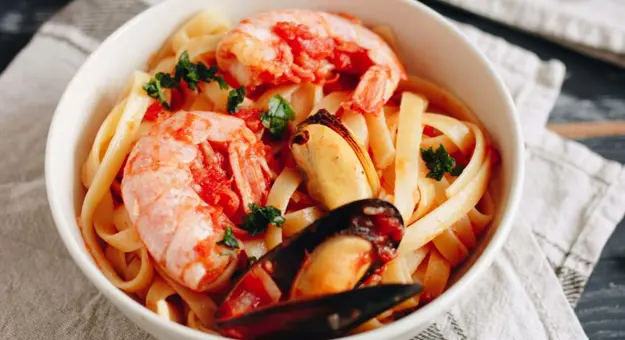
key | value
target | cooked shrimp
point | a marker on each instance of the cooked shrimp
(294, 46)
(176, 182)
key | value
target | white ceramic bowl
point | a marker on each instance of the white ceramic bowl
(429, 46)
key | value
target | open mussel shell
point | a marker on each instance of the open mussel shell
(272, 280)
(325, 317)
(337, 168)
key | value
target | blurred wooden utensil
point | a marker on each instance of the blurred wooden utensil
(581, 130)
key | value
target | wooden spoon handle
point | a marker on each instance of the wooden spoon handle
(581, 130)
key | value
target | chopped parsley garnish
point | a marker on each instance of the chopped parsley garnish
(457, 170)
(208, 74)
(277, 118)
(259, 218)
(229, 240)
(194, 73)
(154, 90)
(235, 97)
(185, 70)
(166, 80)
(438, 162)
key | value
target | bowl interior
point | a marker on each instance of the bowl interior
(429, 47)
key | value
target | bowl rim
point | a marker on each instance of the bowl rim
(428, 313)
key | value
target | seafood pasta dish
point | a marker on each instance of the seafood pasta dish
(284, 176)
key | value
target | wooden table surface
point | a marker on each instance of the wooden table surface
(594, 91)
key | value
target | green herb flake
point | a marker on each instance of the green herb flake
(277, 118)
(166, 80)
(235, 97)
(259, 219)
(457, 170)
(229, 240)
(194, 73)
(222, 83)
(438, 162)
(209, 74)
(187, 70)
(154, 90)
(191, 73)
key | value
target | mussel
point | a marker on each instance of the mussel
(338, 170)
(317, 285)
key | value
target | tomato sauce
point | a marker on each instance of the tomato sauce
(179, 96)
(214, 185)
(303, 41)
(391, 228)
(251, 116)
(153, 112)
(350, 57)
(256, 289)
(384, 232)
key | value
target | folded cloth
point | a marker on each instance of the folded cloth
(593, 27)
(572, 201)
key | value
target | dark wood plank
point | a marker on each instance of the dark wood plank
(19, 20)
(609, 147)
(602, 306)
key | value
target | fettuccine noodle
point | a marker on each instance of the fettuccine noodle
(443, 218)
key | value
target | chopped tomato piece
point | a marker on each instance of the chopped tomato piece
(179, 96)
(430, 131)
(256, 289)
(153, 111)
(251, 116)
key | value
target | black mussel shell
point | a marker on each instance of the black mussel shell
(324, 317)
(375, 220)
(323, 117)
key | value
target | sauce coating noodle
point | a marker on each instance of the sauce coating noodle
(443, 218)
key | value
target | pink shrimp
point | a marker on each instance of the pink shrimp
(179, 195)
(294, 46)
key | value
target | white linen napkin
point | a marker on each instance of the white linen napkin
(572, 201)
(593, 27)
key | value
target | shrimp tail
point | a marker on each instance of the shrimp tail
(374, 89)
(302, 46)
